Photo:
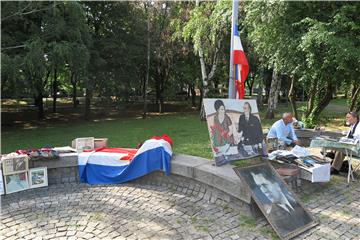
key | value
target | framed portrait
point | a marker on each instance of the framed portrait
(234, 128)
(84, 143)
(278, 204)
(38, 177)
(16, 182)
(14, 164)
(2, 191)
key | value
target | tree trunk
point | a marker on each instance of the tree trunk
(55, 87)
(193, 96)
(146, 82)
(250, 84)
(161, 104)
(73, 82)
(267, 82)
(204, 76)
(312, 97)
(40, 105)
(292, 98)
(88, 96)
(324, 101)
(259, 98)
(273, 95)
(354, 97)
(200, 100)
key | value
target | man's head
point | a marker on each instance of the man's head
(351, 118)
(287, 117)
(247, 107)
(272, 191)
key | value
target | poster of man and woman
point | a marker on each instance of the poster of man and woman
(235, 129)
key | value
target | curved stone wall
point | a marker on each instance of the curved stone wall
(221, 180)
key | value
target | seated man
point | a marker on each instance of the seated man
(283, 131)
(352, 120)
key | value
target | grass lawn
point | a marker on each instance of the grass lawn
(190, 135)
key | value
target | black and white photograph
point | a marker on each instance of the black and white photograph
(15, 164)
(38, 177)
(16, 182)
(278, 204)
(234, 128)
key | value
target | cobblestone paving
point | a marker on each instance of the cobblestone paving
(134, 211)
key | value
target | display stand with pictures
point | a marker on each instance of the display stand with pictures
(278, 204)
(234, 128)
(38, 177)
(15, 170)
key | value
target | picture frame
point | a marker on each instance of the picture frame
(38, 177)
(279, 205)
(234, 128)
(2, 190)
(16, 182)
(84, 143)
(15, 164)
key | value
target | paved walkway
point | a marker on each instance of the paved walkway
(133, 211)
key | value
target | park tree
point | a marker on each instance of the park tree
(354, 100)
(165, 47)
(36, 72)
(66, 34)
(58, 29)
(116, 54)
(315, 48)
(206, 27)
(275, 39)
(23, 46)
(330, 46)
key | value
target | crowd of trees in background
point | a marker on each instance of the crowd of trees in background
(127, 51)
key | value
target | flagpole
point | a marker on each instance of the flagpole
(232, 90)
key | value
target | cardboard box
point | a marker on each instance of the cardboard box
(100, 142)
(318, 173)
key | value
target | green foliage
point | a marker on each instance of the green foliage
(318, 48)
(34, 60)
(101, 46)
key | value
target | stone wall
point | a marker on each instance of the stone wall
(220, 185)
(62, 170)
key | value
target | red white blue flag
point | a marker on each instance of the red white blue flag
(118, 165)
(241, 65)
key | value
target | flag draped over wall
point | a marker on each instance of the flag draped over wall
(241, 65)
(104, 166)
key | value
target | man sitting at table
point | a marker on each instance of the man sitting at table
(283, 131)
(352, 120)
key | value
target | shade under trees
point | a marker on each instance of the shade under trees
(99, 49)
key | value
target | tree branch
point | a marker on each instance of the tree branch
(20, 13)
(13, 47)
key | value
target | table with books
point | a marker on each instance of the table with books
(350, 147)
(312, 168)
